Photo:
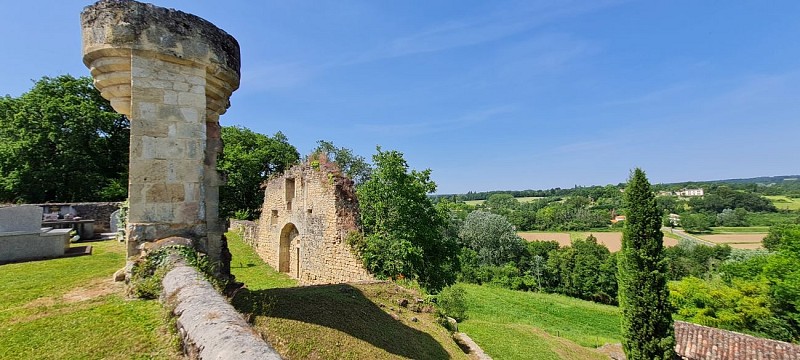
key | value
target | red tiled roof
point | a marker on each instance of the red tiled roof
(696, 342)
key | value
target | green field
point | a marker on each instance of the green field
(516, 325)
(70, 309)
(785, 203)
(520, 199)
(739, 230)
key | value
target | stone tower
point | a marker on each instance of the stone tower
(171, 73)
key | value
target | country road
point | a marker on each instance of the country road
(686, 236)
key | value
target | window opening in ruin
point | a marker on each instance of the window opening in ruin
(274, 218)
(288, 233)
(309, 211)
(289, 193)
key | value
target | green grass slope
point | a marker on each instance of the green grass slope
(526, 325)
(70, 309)
(344, 321)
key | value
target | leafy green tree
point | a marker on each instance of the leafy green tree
(248, 159)
(353, 166)
(647, 326)
(492, 237)
(61, 141)
(502, 204)
(404, 234)
(583, 270)
(783, 275)
(730, 217)
(738, 306)
(696, 222)
(776, 235)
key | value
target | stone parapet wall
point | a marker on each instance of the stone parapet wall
(306, 217)
(208, 325)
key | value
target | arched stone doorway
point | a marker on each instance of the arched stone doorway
(288, 234)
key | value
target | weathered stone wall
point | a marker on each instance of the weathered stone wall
(307, 215)
(171, 73)
(248, 230)
(209, 326)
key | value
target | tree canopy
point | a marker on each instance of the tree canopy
(353, 166)
(492, 237)
(62, 142)
(404, 232)
(248, 159)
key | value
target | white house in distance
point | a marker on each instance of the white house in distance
(690, 192)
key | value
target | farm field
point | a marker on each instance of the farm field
(785, 203)
(737, 240)
(520, 199)
(743, 229)
(612, 240)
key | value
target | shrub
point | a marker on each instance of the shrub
(452, 302)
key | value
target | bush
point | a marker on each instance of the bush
(452, 302)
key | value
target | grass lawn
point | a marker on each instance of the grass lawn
(520, 325)
(343, 321)
(785, 203)
(251, 270)
(70, 309)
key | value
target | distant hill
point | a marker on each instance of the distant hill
(790, 180)
(764, 180)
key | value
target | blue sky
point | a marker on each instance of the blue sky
(495, 95)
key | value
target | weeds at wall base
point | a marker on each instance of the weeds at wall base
(148, 271)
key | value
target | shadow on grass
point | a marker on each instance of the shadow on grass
(344, 308)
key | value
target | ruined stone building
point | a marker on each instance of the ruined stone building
(307, 215)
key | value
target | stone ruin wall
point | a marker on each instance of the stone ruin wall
(171, 73)
(313, 219)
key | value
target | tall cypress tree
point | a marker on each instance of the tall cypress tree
(647, 326)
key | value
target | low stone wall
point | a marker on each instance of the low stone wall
(248, 230)
(209, 326)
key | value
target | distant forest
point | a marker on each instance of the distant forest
(788, 185)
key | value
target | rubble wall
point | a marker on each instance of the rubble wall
(310, 211)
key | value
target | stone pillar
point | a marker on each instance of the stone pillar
(172, 74)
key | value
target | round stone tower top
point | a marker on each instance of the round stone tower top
(113, 29)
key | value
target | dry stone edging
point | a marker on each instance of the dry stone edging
(209, 326)
(474, 350)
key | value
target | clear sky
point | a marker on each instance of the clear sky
(495, 95)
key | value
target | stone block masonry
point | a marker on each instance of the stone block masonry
(209, 326)
(307, 215)
(172, 74)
